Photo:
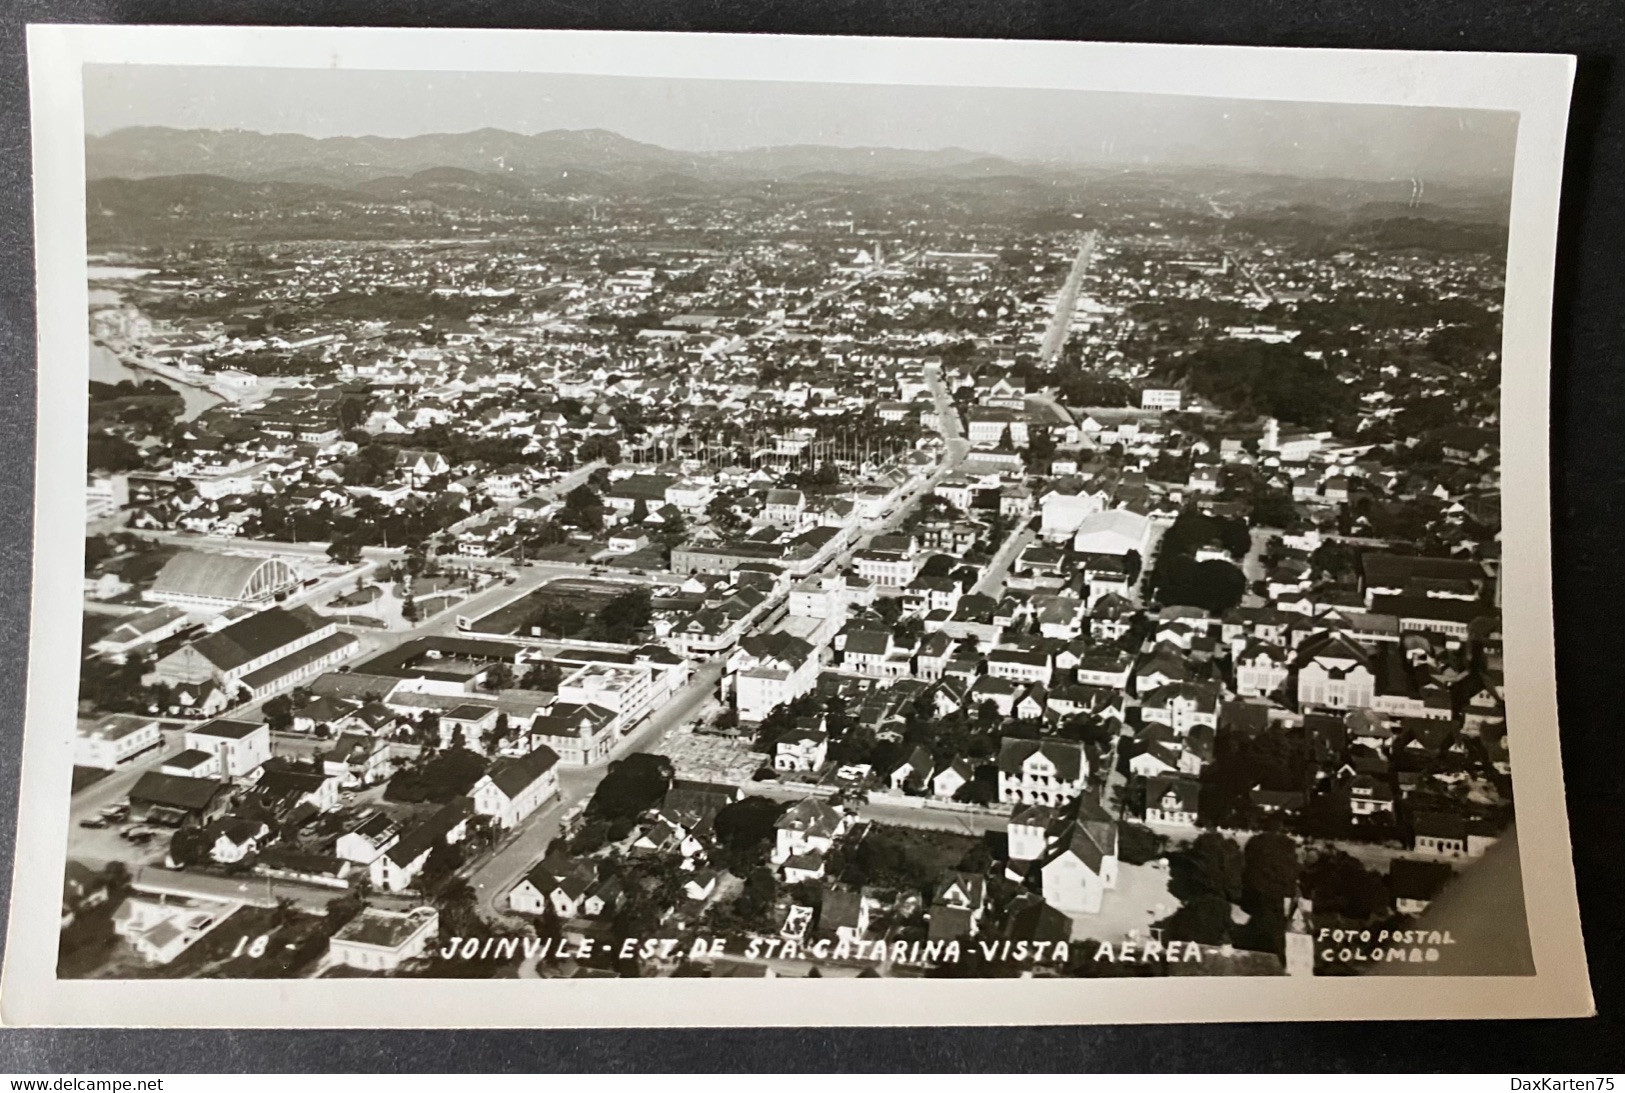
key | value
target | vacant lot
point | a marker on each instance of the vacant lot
(564, 608)
(711, 758)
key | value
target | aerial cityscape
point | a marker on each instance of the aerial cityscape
(558, 555)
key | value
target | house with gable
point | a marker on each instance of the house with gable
(1334, 671)
(1046, 772)
(514, 787)
(1069, 853)
(1171, 802)
(805, 833)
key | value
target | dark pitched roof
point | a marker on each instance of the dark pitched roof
(514, 776)
(175, 791)
(254, 637)
(1409, 879)
(1397, 570)
(868, 642)
(425, 835)
(1185, 790)
(1067, 757)
(1439, 825)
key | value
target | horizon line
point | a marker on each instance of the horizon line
(1330, 174)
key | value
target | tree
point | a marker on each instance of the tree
(982, 789)
(584, 509)
(1333, 559)
(1137, 845)
(279, 713)
(1040, 449)
(1215, 586)
(632, 787)
(107, 452)
(596, 448)
(720, 510)
(1234, 538)
(443, 861)
(544, 675)
(625, 616)
(1210, 867)
(499, 677)
(743, 830)
(1280, 381)
(1339, 885)
(1274, 509)
(451, 773)
(116, 875)
(756, 898)
(187, 847)
(351, 412)
(344, 551)
(1205, 920)
(373, 464)
(908, 631)
(1270, 869)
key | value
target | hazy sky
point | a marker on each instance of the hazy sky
(704, 115)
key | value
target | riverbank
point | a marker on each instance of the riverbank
(109, 366)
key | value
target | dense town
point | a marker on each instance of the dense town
(788, 589)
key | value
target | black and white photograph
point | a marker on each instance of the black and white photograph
(569, 525)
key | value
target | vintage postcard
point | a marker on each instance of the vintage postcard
(630, 529)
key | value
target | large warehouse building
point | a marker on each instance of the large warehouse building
(262, 654)
(200, 581)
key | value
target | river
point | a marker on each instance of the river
(105, 367)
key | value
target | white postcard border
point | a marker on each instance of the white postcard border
(1535, 86)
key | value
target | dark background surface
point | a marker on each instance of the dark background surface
(1588, 481)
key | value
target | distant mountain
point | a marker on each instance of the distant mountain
(203, 195)
(554, 155)
(154, 184)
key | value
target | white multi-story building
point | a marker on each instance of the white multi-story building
(885, 568)
(114, 740)
(627, 691)
(771, 672)
(1063, 512)
(1041, 772)
(819, 598)
(1334, 671)
(1261, 669)
(515, 787)
(239, 747)
(381, 941)
(106, 495)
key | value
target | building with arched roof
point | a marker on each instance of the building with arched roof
(1115, 531)
(196, 579)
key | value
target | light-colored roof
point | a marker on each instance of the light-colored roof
(219, 576)
(1120, 521)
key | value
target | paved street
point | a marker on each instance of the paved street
(98, 846)
(493, 877)
(934, 819)
(261, 891)
(998, 571)
(1066, 302)
(501, 871)
(190, 541)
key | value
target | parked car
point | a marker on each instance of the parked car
(93, 821)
